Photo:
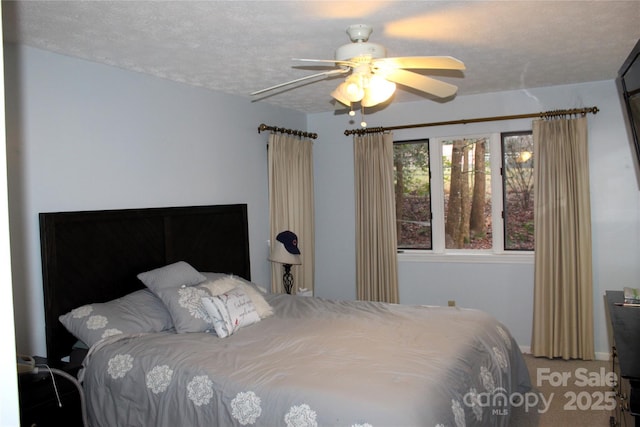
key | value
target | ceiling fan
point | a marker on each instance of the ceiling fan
(372, 77)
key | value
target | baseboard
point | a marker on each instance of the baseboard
(600, 355)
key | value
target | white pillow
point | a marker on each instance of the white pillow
(230, 311)
(225, 284)
(215, 276)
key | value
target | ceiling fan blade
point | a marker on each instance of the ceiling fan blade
(422, 83)
(324, 73)
(328, 61)
(422, 62)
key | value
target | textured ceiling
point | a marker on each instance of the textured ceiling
(238, 47)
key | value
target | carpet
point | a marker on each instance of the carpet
(566, 393)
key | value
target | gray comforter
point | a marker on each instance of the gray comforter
(314, 362)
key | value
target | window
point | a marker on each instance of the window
(413, 194)
(517, 170)
(466, 175)
(472, 193)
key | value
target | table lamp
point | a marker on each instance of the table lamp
(285, 251)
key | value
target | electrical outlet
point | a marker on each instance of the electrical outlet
(452, 303)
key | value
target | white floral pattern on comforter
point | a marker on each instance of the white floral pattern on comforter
(314, 363)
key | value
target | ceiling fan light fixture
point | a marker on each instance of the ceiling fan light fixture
(351, 89)
(378, 91)
(338, 96)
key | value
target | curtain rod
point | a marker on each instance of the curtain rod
(303, 134)
(545, 114)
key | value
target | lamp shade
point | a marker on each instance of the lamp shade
(280, 254)
(285, 249)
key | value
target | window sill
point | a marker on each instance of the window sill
(466, 257)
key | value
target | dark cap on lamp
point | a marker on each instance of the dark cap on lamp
(290, 241)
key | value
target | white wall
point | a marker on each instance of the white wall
(505, 290)
(9, 410)
(84, 136)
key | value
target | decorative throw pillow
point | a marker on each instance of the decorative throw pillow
(228, 282)
(215, 276)
(174, 285)
(230, 311)
(138, 312)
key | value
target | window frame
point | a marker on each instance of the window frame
(504, 135)
(438, 253)
(428, 142)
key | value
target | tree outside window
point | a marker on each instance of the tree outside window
(467, 193)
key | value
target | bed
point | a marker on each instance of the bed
(258, 358)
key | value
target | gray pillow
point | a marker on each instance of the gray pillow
(138, 312)
(174, 285)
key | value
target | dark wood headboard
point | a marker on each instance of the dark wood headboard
(95, 256)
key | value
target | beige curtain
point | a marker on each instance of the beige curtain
(376, 242)
(563, 291)
(291, 204)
